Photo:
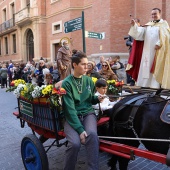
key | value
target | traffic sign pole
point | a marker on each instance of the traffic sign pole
(83, 33)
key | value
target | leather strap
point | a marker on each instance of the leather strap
(129, 102)
(134, 111)
(100, 112)
(129, 123)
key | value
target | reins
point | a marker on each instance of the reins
(148, 103)
(139, 139)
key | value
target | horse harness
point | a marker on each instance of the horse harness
(138, 102)
(165, 116)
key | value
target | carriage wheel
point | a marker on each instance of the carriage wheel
(33, 153)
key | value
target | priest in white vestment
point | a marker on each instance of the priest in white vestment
(155, 61)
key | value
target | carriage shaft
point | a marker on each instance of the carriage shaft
(108, 146)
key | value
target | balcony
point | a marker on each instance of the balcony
(7, 27)
(22, 17)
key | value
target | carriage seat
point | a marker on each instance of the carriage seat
(102, 121)
(165, 115)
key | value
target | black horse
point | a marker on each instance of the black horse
(145, 120)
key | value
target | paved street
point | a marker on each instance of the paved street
(11, 135)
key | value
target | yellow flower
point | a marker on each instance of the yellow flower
(48, 88)
(16, 84)
(44, 92)
(94, 79)
(26, 89)
(111, 81)
(22, 81)
(22, 93)
(19, 81)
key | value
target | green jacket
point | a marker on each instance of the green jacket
(78, 104)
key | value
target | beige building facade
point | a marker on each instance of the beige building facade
(31, 29)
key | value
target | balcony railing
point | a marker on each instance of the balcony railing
(22, 15)
(7, 25)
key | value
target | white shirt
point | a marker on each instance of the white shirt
(105, 104)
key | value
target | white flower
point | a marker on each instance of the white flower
(43, 87)
(17, 91)
(37, 92)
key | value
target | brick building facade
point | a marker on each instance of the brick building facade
(30, 29)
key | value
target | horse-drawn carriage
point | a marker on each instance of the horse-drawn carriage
(135, 117)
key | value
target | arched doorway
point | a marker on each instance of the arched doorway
(30, 45)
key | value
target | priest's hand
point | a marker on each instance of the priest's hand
(133, 22)
(157, 47)
(83, 136)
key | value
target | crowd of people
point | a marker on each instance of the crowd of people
(110, 69)
(42, 72)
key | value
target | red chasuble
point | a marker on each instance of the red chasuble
(135, 59)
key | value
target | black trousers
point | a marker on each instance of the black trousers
(3, 82)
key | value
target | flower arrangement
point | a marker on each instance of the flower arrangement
(30, 92)
(114, 86)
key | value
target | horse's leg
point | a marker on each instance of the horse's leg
(123, 163)
(112, 162)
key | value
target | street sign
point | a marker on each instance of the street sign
(72, 28)
(96, 35)
(73, 25)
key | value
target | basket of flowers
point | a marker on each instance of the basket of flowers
(114, 87)
(39, 106)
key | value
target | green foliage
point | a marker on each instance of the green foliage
(112, 90)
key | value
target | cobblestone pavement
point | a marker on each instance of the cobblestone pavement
(11, 135)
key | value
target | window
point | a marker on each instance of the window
(14, 43)
(12, 13)
(56, 27)
(4, 14)
(12, 10)
(6, 45)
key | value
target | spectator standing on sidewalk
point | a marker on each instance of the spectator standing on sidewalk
(91, 72)
(106, 72)
(119, 69)
(99, 65)
(3, 75)
(10, 72)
